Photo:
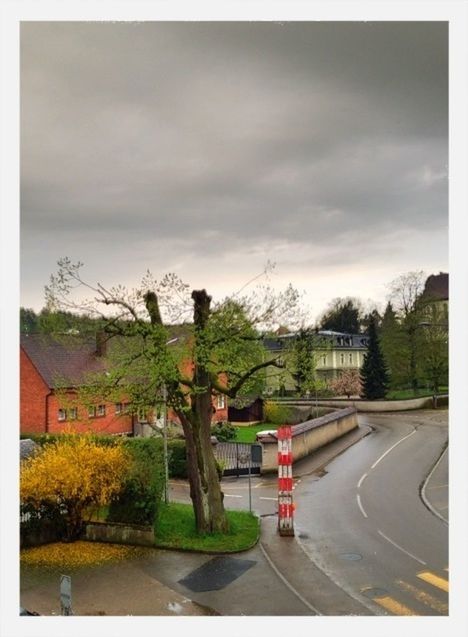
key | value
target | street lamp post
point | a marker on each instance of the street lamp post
(166, 460)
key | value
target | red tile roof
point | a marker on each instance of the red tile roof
(62, 360)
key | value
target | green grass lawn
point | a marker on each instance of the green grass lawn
(175, 529)
(247, 434)
(402, 394)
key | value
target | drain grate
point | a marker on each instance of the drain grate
(216, 574)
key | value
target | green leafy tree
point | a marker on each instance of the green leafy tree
(28, 321)
(435, 359)
(218, 353)
(406, 296)
(395, 348)
(302, 360)
(342, 315)
(374, 374)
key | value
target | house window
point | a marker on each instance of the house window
(101, 410)
(342, 359)
(142, 415)
(73, 413)
(350, 359)
(62, 414)
(118, 408)
(220, 401)
(324, 360)
(92, 411)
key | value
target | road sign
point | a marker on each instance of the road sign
(256, 453)
(65, 595)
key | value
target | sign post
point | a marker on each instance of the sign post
(65, 595)
(285, 482)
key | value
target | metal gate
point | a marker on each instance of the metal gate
(235, 458)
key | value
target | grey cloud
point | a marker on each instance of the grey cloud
(245, 133)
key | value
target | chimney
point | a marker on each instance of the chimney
(101, 343)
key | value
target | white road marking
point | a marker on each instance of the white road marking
(392, 447)
(361, 480)
(401, 548)
(358, 498)
(285, 581)
(423, 490)
(231, 495)
(268, 499)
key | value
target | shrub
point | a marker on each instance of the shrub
(73, 474)
(178, 459)
(139, 499)
(224, 431)
(277, 414)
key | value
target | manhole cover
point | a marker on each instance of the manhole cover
(352, 557)
(374, 593)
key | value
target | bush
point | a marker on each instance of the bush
(224, 431)
(139, 499)
(73, 473)
(177, 459)
(277, 414)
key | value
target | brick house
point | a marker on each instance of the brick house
(45, 363)
(51, 371)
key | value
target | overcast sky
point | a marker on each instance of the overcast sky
(207, 149)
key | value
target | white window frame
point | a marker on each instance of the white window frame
(100, 411)
(92, 411)
(62, 415)
(220, 401)
(119, 408)
(73, 413)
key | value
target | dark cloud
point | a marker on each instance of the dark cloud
(216, 137)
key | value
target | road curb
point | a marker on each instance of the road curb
(422, 490)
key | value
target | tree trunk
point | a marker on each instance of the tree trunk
(205, 488)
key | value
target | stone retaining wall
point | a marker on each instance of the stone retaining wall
(119, 533)
(309, 436)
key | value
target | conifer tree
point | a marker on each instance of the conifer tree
(374, 374)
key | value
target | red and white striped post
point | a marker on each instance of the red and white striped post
(285, 481)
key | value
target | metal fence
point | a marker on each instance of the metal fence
(235, 458)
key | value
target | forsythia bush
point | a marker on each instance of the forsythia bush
(74, 473)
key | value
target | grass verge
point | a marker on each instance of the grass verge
(175, 529)
(248, 433)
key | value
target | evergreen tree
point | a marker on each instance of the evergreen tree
(342, 315)
(374, 374)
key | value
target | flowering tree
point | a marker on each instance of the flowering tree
(73, 473)
(348, 383)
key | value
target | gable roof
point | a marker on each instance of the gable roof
(334, 339)
(62, 359)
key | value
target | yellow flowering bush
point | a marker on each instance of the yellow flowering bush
(75, 473)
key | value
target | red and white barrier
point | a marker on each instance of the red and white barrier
(285, 482)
